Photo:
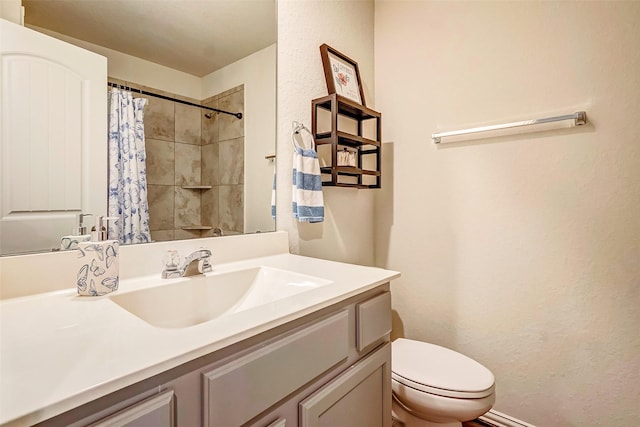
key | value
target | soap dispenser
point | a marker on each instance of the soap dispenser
(98, 269)
(79, 234)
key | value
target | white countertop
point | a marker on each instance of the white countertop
(59, 350)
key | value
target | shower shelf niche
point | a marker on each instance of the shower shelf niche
(196, 227)
(196, 187)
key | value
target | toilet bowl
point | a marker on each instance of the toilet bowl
(436, 386)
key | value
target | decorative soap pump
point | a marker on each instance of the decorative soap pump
(79, 234)
(98, 269)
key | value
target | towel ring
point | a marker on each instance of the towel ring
(296, 128)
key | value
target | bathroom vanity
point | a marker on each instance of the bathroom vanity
(314, 351)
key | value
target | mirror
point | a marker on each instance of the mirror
(206, 176)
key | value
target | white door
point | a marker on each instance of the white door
(53, 135)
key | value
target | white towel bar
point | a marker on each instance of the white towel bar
(580, 118)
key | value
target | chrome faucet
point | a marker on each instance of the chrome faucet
(198, 262)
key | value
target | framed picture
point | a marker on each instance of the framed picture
(342, 75)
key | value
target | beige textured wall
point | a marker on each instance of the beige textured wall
(521, 251)
(347, 233)
(11, 10)
(132, 69)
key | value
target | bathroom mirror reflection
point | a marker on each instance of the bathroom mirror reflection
(208, 173)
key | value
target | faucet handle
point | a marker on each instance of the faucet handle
(172, 259)
(171, 262)
(204, 265)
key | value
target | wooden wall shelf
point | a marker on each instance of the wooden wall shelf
(368, 151)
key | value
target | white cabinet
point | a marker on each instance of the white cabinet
(356, 393)
(328, 368)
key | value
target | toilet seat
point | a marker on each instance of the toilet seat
(440, 371)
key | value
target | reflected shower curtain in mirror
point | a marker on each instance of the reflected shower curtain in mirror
(127, 168)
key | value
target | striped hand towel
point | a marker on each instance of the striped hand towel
(308, 204)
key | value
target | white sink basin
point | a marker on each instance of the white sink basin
(198, 299)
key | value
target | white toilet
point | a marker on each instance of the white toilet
(435, 386)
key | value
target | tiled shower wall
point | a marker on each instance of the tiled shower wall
(184, 148)
(223, 163)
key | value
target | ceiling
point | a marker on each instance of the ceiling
(194, 36)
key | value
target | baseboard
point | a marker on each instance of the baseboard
(498, 419)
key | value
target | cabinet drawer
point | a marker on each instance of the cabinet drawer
(373, 320)
(155, 411)
(240, 390)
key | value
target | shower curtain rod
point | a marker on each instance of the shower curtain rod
(168, 98)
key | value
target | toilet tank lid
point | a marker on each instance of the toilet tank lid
(439, 367)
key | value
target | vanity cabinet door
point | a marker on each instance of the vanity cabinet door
(240, 390)
(156, 411)
(359, 397)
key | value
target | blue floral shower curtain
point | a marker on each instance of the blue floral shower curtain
(127, 168)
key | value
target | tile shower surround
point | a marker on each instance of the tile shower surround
(185, 148)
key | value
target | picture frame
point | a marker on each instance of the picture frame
(342, 74)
